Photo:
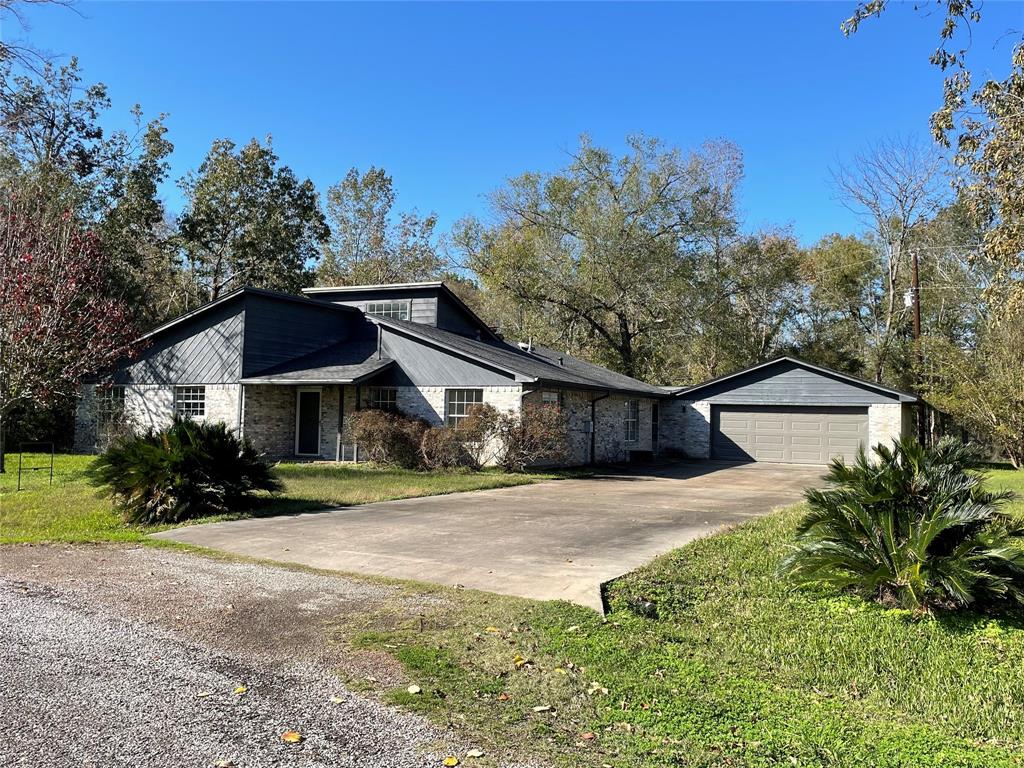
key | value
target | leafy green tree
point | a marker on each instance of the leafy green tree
(982, 385)
(601, 253)
(758, 281)
(249, 222)
(370, 243)
(53, 141)
(983, 121)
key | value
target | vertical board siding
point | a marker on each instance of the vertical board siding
(205, 350)
(789, 384)
(278, 331)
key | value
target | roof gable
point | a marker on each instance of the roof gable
(789, 381)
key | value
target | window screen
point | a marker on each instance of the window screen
(109, 404)
(190, 401)
(458, 402)
(399, 310)
(382, 398)
(632, 421)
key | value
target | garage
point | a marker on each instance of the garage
(793, 435)
(788, 411)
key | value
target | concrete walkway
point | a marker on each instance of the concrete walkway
(553, 540)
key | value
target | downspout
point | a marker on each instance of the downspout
(341, 421)
(593, 426)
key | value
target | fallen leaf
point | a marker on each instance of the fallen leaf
(519, 661)
(414, 689)
(492, 630)
(542, 708)
(588, 736)
(503, 697)
(240, 690)
(475, 753)
(596, 687)
(336, 699)
(224, 764)
(291, 737)
(450, 761)
(573, 628)
(561, 671)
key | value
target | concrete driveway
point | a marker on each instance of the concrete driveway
(553, 540)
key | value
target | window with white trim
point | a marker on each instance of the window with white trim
(632, 421)
(109, 404)
(549, 397)
(458, 402)
(382, 398)
(398, 310)
(190, 401)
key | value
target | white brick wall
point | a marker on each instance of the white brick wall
(151, 406)
(686, 427)
(428, 403)
(885, 423)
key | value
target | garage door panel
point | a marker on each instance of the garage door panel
(802, 435)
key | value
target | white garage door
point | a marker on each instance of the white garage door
(796, 435)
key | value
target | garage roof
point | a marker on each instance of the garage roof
(723, 384)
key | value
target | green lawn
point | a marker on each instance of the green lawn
(708, 660)
(705, 660)
(71, 510)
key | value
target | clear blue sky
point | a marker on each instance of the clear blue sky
(453, 98)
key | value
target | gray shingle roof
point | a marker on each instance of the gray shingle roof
(343, 363)
(541, 364)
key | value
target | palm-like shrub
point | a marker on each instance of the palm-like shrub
(185, 470)
(915, 528)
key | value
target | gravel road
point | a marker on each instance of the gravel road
(131, 656)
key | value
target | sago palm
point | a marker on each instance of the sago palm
(915, 527)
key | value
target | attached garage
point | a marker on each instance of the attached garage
(788, 411)
(793, 434)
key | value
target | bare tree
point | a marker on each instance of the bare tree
(19, 51)
(894, 187)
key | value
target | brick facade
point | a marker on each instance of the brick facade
(888, 422)
(150, 406)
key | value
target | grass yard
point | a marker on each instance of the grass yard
(71, 510)
(708, 660)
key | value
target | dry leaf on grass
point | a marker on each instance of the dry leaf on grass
(414, 689)
(291, 737)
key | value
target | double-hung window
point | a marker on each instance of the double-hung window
(398, 310)
(553, 399)
(190, 401)
(109, 404)
(632, 421)
(382, 399)
(458, 402)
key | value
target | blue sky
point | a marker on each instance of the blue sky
(454, 98)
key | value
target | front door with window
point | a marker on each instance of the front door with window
(307, 423)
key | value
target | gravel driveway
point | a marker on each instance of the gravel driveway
(131, 656)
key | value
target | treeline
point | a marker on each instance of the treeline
(638, 261)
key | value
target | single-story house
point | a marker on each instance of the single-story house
(288, 371)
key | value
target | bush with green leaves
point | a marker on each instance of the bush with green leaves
(914, 528)
(186, 470)
(388, 438)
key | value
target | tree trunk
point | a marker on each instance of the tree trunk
(3, 444)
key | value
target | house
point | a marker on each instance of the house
(289, 371)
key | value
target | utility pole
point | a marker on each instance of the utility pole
(915, 289)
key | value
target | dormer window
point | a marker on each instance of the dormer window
(397, 310)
